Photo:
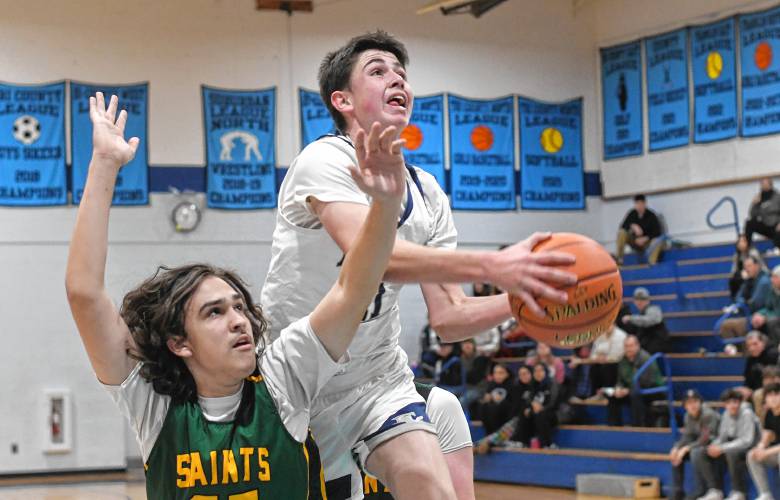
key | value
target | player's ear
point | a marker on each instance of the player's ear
(342, 101)
(179, 346)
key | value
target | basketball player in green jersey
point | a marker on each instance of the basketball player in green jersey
(214, 419)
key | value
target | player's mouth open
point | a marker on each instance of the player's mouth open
(397, 100)
(243, 342)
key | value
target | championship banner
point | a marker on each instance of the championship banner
(668, 117)
(482, 153)
(240, 128)
(425, 137)
(32, 145)
(132, 183)
(759, 49)
(315, 118)
(621, 96)
(713, 53)
(551, 155)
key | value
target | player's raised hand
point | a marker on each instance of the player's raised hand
(520, 271)
(381, 172)
(108, 131)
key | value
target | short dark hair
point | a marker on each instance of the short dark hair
(154, 312)
(770, 371)
(730, 394)
(772, 388)
(640, 197)
(336, 67)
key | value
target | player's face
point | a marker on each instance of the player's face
(219, 335)
(379, 92)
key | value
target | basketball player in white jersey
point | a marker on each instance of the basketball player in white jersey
(371, 410)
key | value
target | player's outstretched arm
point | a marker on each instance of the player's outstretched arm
(382, 176)
(104, 333)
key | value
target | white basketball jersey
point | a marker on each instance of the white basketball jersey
(305, 261)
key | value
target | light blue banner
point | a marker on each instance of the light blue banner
(132, 183)
(668, 116)
(315, 118)
(621, 94)
(482, 153)
(759, 52)
(551, 155)
(240, 128)
(713, 56)
(32, 145)
(425, 137)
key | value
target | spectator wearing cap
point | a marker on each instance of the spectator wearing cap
(765, 453)
(759, 355)
(641, 230)
(626, 393)
(769, 375)
(699, 429)
(767, 319)
(738, 432)
(753, 294)
(647, 324)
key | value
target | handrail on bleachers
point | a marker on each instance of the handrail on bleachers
(667, 387)
(735, 211)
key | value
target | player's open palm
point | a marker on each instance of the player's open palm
(108, 131)
(381, 172)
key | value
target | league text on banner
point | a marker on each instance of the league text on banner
(425, 137)
(240, 128)
(621, 97)
(315, 118)
(759, 49)
(32, 145)
(551, 155)
(482, 155)
(668, 119)
(132, 183)
(713, 56)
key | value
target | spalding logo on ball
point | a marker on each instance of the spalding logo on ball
(593, 302)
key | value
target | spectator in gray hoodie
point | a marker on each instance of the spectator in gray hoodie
(738, 432)
(700, 428)
(765, 454)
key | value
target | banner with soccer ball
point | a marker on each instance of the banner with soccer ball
(32, 145)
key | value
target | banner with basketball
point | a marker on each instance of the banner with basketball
(666, 64)
(551, 170)
(32, 145)
(621, 97)
(132, 183)
(759, 36)
(482, 153)
(425, 137)
(315, 117)
(713, 56)
(240, 127)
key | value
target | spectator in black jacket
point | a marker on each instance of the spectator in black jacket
(539, 419)
(476, 367)
(647, 324)
(641, 230)
(759, 355)
(764, 216)
(496, 405)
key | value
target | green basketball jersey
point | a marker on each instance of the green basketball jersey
(251, 458)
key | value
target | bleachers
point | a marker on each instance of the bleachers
(691, 286)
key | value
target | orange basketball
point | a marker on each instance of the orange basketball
(413, 136)
(763, 56)
(593, 301)
(482, 138)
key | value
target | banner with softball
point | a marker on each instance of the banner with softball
(666, 65)
(551, 174)
(425, 137)
(482, 153)
(759, 49)
(240, 127)
(315, 118)
(713, 56)
(32, 145)
(621, 99)
(132, 183)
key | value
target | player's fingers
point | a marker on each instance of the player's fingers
(101, 102)
(386, 138)
(373, 138)
(133, 143)
(122, 120)
(539, 288)
(552, 275)
(530, 303)
(92, 105)
(536, 238)
(395, 147)
(554, 258)
(112, 105)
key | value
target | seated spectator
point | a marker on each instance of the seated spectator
(738, 274)
(476, 368)
(579, 385)
(538, 419)
(624, 392)
(753, 294)
(769, 375)
(738, 432)
(699, 429)
(445, 373)
(647, 324)
(523, 394)
(764, 217)
(767, 319)
(554, 364)
(759, 355)
(488, 342)
(605, 353)
(641, 230)
(765, 453)
(496, 406)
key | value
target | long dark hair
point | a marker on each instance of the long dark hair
(154, 312)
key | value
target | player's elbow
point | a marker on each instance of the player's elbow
(444, 329)
(79, 291)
